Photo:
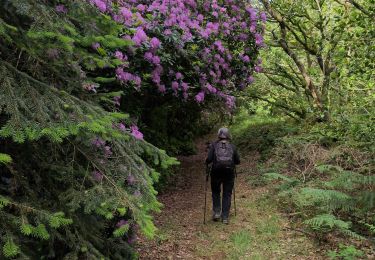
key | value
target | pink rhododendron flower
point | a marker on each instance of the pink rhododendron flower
(119, 55)
(121, 223)
(61, 9)
(175, 85)
(200, 97)
(155, 43)
(156, 60)
(100, 4)
(95, 45)
(263, 17)
(141, 8)
(246, 59)
(139, 37)
(184, 86)
(258, 69)
(178, 75)
(98, 142)
(258, 39)
(136, 133)
(126, 13)
(162, 88)
(122, 127)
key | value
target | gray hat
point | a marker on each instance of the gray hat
(223, 133)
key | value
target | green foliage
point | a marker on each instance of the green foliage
(121, 231)
(58, 220)
(319, 63)
(5, 158)
(241, 242)
(10, 249)
(3, 202)
(259, 132)
(327, 222)
(328, 200)
(346, 253)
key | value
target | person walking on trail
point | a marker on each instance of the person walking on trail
(224, 157)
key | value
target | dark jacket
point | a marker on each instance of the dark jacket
(211, 158)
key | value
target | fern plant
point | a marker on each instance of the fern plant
(326, 222)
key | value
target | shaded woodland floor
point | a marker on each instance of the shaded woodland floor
(258, 231)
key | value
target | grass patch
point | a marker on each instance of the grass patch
(241, 242)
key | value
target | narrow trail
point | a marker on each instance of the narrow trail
(257, 232)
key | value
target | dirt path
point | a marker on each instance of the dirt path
(257, 232)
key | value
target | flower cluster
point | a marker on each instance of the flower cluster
(214, 46)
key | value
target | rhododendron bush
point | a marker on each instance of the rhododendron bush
(78, 81)
(191, 49)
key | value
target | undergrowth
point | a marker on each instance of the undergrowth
(320, 177)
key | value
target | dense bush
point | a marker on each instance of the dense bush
(260, 132)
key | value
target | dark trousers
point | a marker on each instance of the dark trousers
(222, 178)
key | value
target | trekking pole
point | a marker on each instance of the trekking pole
(234, 192)
(205, 193)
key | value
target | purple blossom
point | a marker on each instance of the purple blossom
(107, 151)
(263, 17)
(100, 4)
(136, 133)
(126, 13)
(230, 102)
(258, 69)
(123, 76)
(258, 39)
(155, 43)
(122, 127)
(168, 32)
(121, 223)
(162, 88)
(219, 46)
(184, 86)
(137, 80)
(119, 55)
(246, 59)
(200, 97)
(95, 45)
(139, 37)
(137, 193)
(141, 8)
(156, 60)
(98, 142)
(148, 56)
(178, 75)
(61, 9)
(175, 85)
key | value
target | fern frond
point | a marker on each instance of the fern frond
(5, 158)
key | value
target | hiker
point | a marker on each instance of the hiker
(224, 157)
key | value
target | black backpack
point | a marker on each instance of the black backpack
(224, 155)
